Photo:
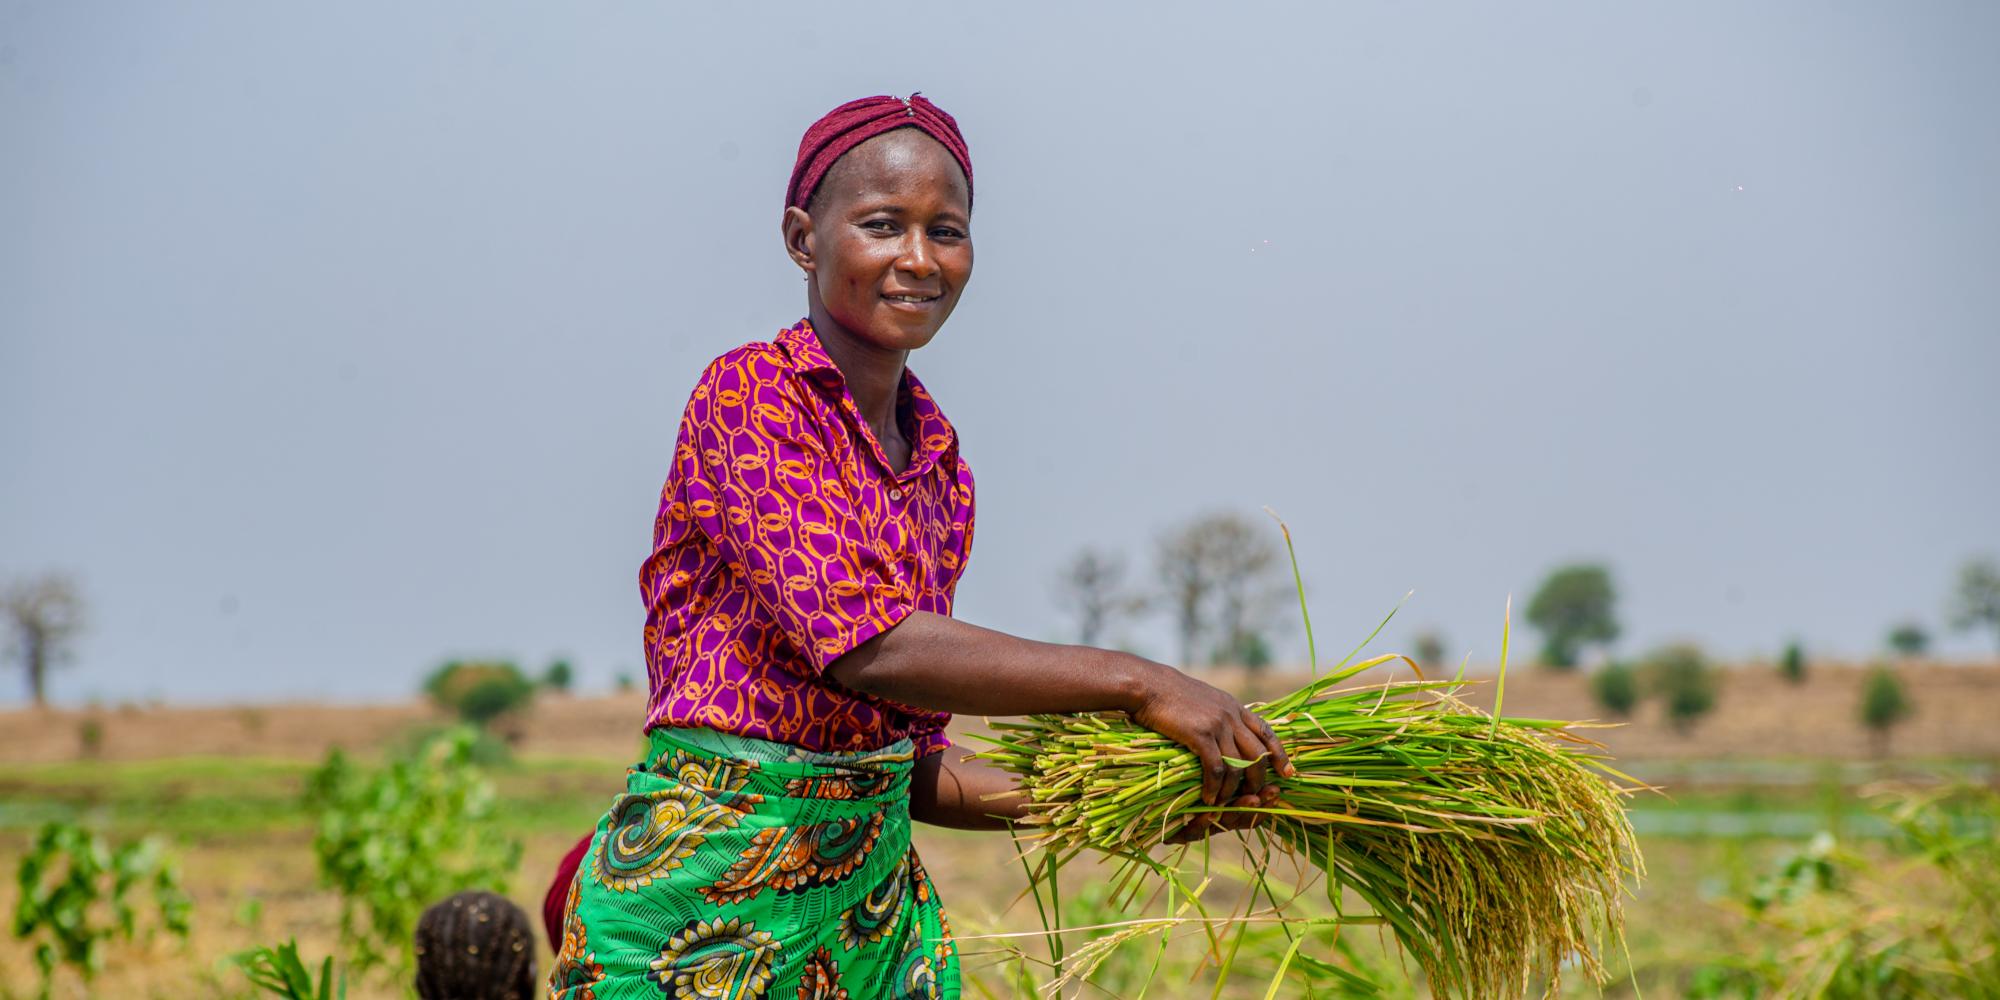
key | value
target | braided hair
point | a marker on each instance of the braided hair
(475, 946)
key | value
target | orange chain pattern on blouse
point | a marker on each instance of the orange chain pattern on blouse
(784, 540)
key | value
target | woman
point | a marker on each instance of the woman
(800, 645)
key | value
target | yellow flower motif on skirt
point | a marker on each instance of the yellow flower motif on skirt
(720, 778)
(716, 960)
(655, 833)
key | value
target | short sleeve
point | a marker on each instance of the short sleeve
(779, 500)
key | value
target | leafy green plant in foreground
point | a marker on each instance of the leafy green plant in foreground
(281, 972)
(393, 842)
(78, 893)
(1841, 925)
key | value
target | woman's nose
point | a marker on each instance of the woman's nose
(916, 257)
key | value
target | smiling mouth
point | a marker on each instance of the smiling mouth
(913, 299)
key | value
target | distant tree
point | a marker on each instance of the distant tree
(1429, 648)
(1909, 639)
(1186, 584)
(45, 614)
(625, 683)
(1091, 586)
(1681, 676)
(1882, 705)
(1219, 579)
(1575, 607)
(480, 691)
(1976, 601)
(1616, 687)
(1792, 665)
(558, 676)
(1247, 586)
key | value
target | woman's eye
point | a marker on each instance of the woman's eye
(878, 225)
(945, 233)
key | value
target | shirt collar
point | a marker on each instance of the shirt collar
(935, 435)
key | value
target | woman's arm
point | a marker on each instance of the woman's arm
(949, 789)
(943, 664)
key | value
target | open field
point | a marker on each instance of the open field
(1757, 714)
(1773, 765)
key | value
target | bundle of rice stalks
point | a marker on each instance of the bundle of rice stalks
(1495, 849)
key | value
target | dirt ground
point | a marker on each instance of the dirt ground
(1956, 713)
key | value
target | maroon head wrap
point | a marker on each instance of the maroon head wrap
(856, 122)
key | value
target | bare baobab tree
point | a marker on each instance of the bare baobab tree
(45, 614)
(1092, 588)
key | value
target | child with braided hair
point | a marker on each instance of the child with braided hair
(475, 946)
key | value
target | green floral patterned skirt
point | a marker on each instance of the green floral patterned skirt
(735, 868)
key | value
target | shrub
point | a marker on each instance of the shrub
(1683, 679)
(1792, 665)
(1882, 705)
(558, 676)
(1429, 648)
(68, 881)
(394, 841)
(1616, 687)
(480, 691)
(1909, 639)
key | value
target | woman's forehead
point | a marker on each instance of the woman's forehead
(903, 161)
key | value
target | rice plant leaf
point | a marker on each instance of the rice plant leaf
(1500, 684)
(1312, 651)
(1284, 966)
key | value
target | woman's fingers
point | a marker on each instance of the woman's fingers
(1249, 747)
(1232, 777)
(1281, 763)
(1212, 770)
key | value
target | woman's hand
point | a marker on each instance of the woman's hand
(1213, 724)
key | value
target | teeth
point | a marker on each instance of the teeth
(912, 298)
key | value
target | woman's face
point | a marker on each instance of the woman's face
(887, 246)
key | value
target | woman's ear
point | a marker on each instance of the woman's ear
(798, 230)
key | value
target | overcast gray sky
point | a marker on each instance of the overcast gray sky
(336, 340)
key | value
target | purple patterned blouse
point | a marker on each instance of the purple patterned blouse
(784, 540)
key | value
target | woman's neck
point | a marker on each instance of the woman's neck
(874, 375)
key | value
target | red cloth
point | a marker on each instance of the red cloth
(557, 900)
(856, 122)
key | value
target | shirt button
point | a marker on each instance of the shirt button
(896, 494)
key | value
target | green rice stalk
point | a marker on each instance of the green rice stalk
(1494, 852)
(1495, 849)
